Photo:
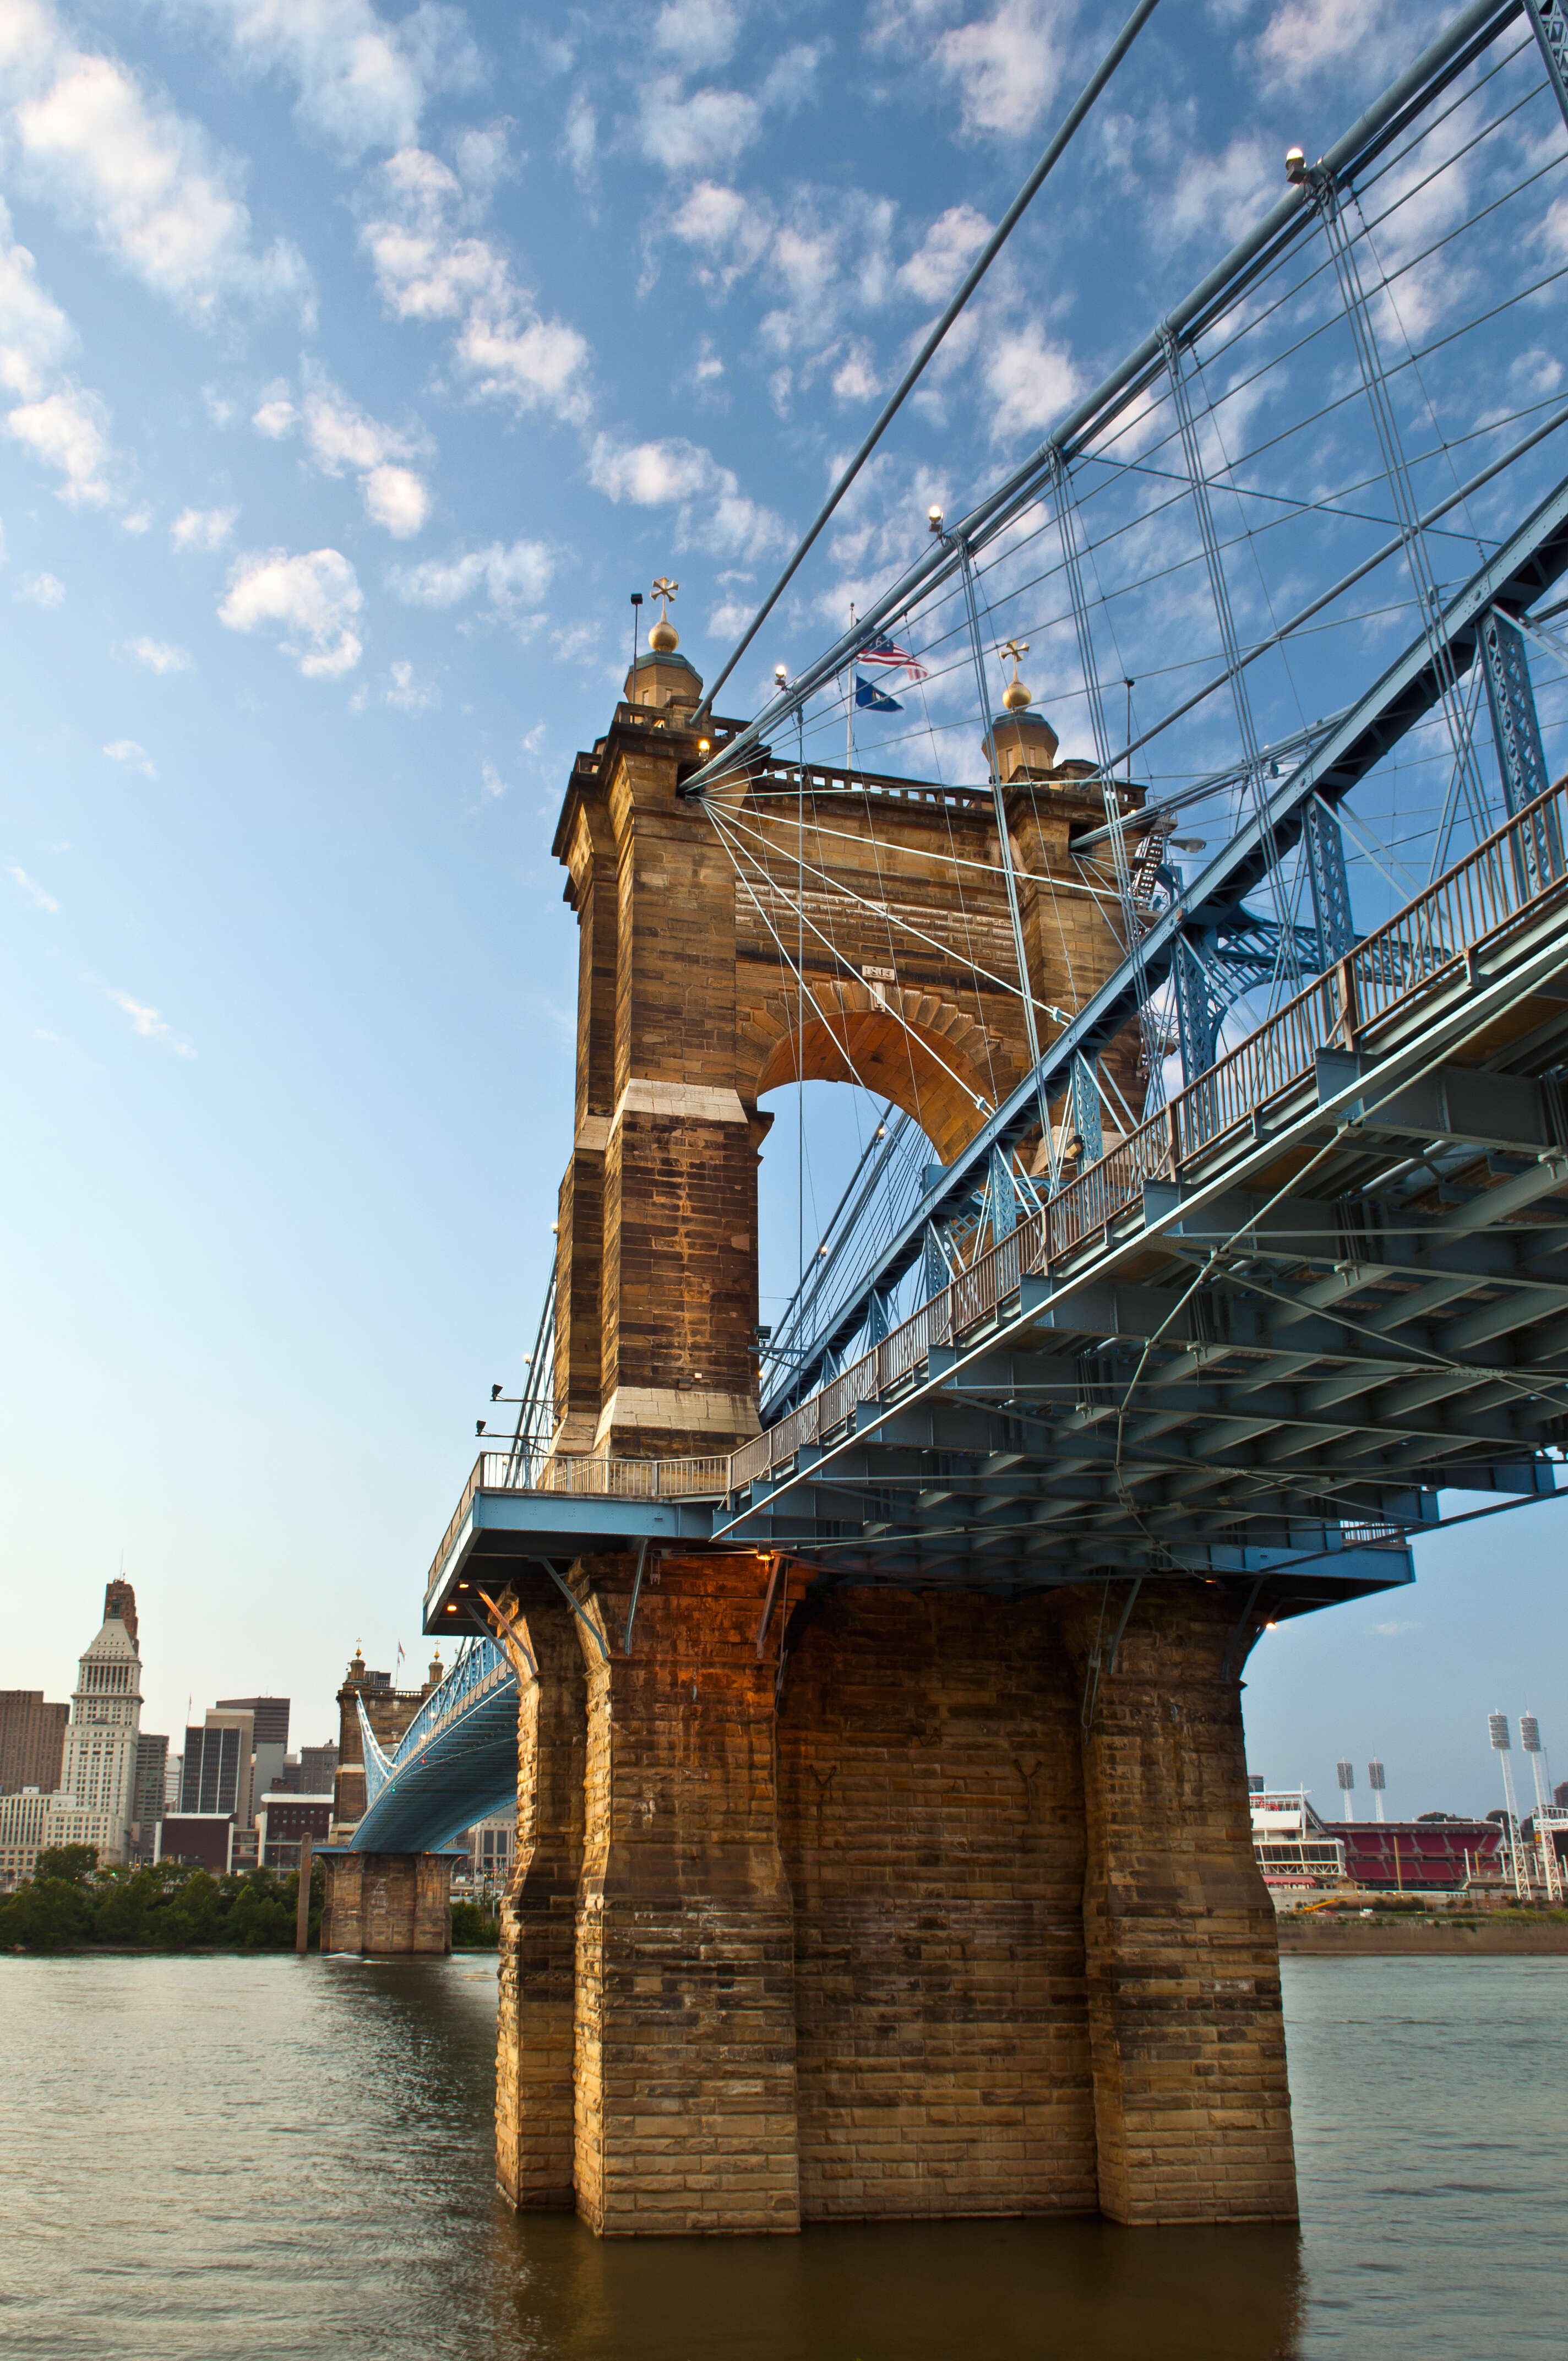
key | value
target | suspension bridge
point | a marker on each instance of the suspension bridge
(868, 1681)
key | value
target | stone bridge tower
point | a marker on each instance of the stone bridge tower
(809, 924)
(837, 1902)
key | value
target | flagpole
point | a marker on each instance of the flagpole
(850, 708)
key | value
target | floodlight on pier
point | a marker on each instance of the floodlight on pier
(1497, 1731)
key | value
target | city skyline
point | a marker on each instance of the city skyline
(1291, 1740)
(324, 487)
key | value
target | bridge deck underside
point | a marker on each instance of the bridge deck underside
(1268, 1367)
(464, 1773)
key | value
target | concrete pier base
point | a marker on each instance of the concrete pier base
(387, 1903)
(908, 1913)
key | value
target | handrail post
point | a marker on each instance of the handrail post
(1345, 978)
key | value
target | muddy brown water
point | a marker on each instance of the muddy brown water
(265, 2159)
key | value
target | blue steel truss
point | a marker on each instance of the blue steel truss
(455, 1763)
(1520, 573)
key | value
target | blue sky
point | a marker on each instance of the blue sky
(354, 369)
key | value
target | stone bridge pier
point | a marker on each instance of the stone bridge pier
(837, 1901)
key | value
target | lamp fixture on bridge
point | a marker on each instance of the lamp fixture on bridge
(1295, 166)
(934, 519)
(494, 1393)
(781, 676)
(479, 1426)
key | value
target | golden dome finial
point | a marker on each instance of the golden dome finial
(1015, 697)
(663, 639)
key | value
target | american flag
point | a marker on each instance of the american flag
(884, 651)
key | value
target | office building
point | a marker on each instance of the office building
(98, 1775)
(318, 1769)
(217, 1772)
(23, 1831)
(282, 1820)
(270, 1740)
(120, 1599)
(205, 1840)
(32, 1740)
(147, 1801)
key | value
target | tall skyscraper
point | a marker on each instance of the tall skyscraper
(269, 1744)
(147, 1801)
(97, 1785)
(217, 1772)
(32, 1740)
(121, 1600)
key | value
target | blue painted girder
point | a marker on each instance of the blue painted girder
(433, 1786)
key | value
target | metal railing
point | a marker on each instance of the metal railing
(481, 1669)
(1504, 879)
(1509, 876)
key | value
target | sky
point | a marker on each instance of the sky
(355, 364)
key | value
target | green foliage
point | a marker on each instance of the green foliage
(472, 1930)
(170, 1907)
(70, 1864)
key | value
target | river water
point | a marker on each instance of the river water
(259, 2159)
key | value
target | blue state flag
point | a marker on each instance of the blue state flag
(873, 699)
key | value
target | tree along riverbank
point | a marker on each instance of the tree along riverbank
(71, 1904)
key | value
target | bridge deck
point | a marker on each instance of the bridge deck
(1256, 1339)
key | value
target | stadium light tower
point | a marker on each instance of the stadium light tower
(1497, 1730)
(1347, 1787)
(1377, 1781)
(1545, 1838)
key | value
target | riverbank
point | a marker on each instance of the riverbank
(1426, 1939)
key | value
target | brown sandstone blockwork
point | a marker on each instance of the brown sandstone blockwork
(933, 1832)
(384, 1903)
(686, 2010)
(1192, 2101)
(535, 2042)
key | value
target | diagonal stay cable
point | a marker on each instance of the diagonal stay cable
(972, 277)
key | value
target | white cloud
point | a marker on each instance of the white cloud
(397, 498)
(697, 32)
(68, 430)
(34, 334)
(313, 601)
(126, 751)
(1304, 37)
(143, 178)
(341, 438)
(680, 130)
(139, 520)
(1225, 193)
(159, 655)
(579, 137)
(491, 784)
(944, 254)
(681, 475)
(855, 379)
(276, 416)
(62, 423)
(202, 529)
(42, 589)
(1394, 1631)
(362, 82)
(511, 577)
(33, 890)
(146, 1023)
(428, 267)
(1008, 66)
(1030, 379)
(407, 694)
